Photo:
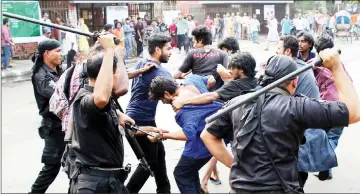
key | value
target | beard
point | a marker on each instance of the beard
(164, 58)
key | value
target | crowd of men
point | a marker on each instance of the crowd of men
(268, 135)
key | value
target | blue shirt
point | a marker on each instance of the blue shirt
(191, 119)
(310, 56)
(140, 108)
(200, 82)
(307, 82)
(286, 26)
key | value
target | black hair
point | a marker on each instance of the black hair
(108, 27)
(230, 43)
(139, 18)
(157, 40)
(244, 61)
(161, 84)
(94, 61)
(290, 42)
(118, 22)
(5, 20)
(126, 19)
(203, 34)
(323, 42)
(307, 37)
(148, 22)
(70, 57)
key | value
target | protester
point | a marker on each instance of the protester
(128, 32)
(182, 29)
(254, 29)
(143, 111)
(46, 35)
(273, 35)
(118, 32)
(139, 28)
(208, 22)
(306, 44)
(191, 26)
(192, 121)
(203, 60)
(245, 27)
(173, 34)
(285, 25)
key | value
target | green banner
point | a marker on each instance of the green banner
(29, 9)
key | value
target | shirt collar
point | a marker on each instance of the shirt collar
(310, 56)
(89, 88)
(48, 69)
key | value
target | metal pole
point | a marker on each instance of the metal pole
(250, 96)
(35, 21)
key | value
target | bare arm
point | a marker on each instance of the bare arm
(217, 148)
(137, 72)
(178, 135)
(204, 98)
(346, 89)
(104, 82)
(123, 79)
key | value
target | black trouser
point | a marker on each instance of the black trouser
(139, 47)
(241, 191)
(155, 156)
(186, 174)
(188, 44)
(51, 158)
(181, 41)
(303, 176)
(96, 181)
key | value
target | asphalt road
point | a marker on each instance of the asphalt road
(22, 146)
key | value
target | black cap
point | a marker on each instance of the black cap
(277, 67)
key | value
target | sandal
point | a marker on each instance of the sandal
(214, 181)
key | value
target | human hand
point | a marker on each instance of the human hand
(211, 82)
(177, 103)
(330, 58)
(123, 118)
(107, 41)
(147, 67)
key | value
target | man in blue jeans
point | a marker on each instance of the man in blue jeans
(6, 43)
(128, 31)
(191, 118)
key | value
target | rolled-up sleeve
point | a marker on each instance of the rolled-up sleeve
(45, 86)
(222, 127)
(312, 113)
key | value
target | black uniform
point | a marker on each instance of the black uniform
(50, 130)
(268, 132)
(98, 145)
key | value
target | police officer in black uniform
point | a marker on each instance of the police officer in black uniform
(46, 72)
(269, 130)
(97, 137)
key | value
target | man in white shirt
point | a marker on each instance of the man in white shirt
(238, 20)
(191, 27)
(245, 27)
(46, 34)
(299, 24)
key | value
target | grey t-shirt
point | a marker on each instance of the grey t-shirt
(204, 61)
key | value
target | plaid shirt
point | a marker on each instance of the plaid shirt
(59, 104)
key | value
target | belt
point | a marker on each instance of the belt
(242, 191)
(106, 172)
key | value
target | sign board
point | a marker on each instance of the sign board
(22, 29)
(338, 2)
(116, 13)
(268, 11)
(257, 11)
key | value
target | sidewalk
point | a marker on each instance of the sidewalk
(21, 70)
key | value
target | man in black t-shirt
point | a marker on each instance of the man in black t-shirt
(139, 28)
(242, 66)
(269, 130)
(203, 60)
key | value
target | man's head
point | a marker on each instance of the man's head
(288, 45)
(108, 27)
(202, 36)
(242, 65)
(254, 16)
(58, 19)
(208, 17)
(118, 25)
(287, 16)
(230, 45)
(6, 22)
(180, 16)
(164, 89)
(127, 20)
(299, 15)
(277, 67)
(232, 14)
(139, 20)
(47, 32)
(228, 14)
(237, 13)
(154, 23)
(306, 41)
(94, 62)
(323, 42)
(217, 15)
(245, 14)
(160, 47)
(146, 17)
(50, 52)
(132, 18)
(46, 15)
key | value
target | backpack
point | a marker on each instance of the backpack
(65, 92)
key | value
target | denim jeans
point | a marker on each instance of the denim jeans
(334, 136)
(7, 54)
(186, 174)
(128, 43)
(255, 36)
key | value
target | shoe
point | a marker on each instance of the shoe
(215, 182)
(323, 175)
